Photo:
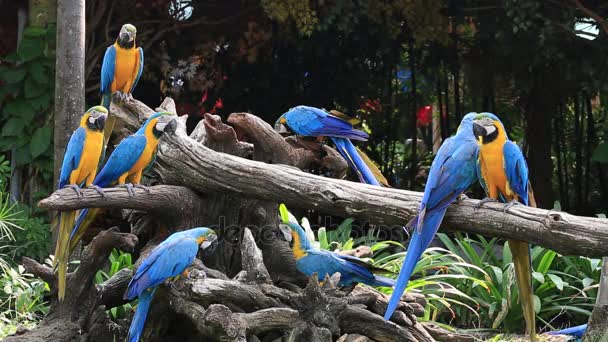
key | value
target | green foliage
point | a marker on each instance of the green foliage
(565, 287)
(26, 99)
(116, 262)
(21, 294)
(438, 276)
(35, 237)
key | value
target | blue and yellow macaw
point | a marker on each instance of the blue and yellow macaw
(167, 261)
(315, 122)
(503, 173)
(310, 260)
(452, 172)
(127, 163)
(80, 162)
(121, 69)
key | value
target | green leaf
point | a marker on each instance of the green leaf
(41, 140)
(39, 73)
(34, 32)
(13, 127)
(41, 103)
(538, 276)
(33, 89)
(559, 283)
(22, 155)
(601, 153)
(546, 261)
(11, 76)
(30, 48)
(537, 304)
(19, 108)
(322, 234)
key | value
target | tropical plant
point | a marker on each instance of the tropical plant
(565, 287)
(435, 274)
(116, 262)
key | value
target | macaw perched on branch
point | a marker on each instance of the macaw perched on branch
(503, 173)
(122, 66)
(166, 262)
(127, 163)
(80, 162)
(315, 122)
(452, 172)
(310, 260)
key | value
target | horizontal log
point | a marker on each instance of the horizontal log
(186, 162)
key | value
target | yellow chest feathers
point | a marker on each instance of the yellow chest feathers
(126, 68)
(298, 252)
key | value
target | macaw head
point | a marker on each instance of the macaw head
(488, 128)
(204, 236)
(292, 230)
(281, 124)
(127, 35)
(467, 121)
(95, 118)
(161, 122)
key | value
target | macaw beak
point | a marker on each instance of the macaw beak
(101, 122)
(280, 126)
(207, 241)
(483, 127)
(171, 126)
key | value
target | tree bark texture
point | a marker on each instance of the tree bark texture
(69, 77)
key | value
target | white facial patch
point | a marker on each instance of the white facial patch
(91, 119)
(160, 126)
(490, 129)
(286, 231)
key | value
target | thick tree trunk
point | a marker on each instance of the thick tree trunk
(69, 77)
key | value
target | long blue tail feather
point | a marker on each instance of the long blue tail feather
(420, 240)
(350, 153)
(139, 319)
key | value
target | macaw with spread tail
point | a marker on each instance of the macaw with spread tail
(577, 331)
(311, 260)
(315, 122)
(452, 172)
(127, 163)
(167, 261)
(503, 173)
(121, 69)
(80, 163)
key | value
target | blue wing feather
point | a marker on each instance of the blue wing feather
(167, 260)
(313, 122)
(107, 69)
(72, 155)
(121, 160)
(140, 71)
(516, 170)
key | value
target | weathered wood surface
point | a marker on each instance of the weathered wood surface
(186, 162)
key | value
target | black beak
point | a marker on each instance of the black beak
(171, 126)
(125, 37)
(101, 122)
(479, 130)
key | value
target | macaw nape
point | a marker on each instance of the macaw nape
(503, 173)
(315, 122)
(451, 173)
(79, 168)
(311, 260)
(126, 165)
(166, 262)
(121, 69)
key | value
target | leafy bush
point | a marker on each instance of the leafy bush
(34, 239)
(21, 294)
(116, 262)
(565, 287)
